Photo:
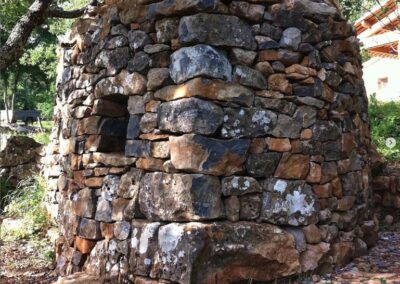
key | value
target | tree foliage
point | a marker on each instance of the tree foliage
(31, 78)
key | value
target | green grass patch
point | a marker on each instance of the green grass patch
(41, 137)
(47, 125)
(385, 123)
(26, 204)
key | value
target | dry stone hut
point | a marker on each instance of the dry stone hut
(210, 141)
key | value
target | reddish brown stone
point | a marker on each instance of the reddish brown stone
(107, 230)
(257, 145)
(312, 234)
(348, 143)
(381, 183)
(299, 69)
(62, 182)
(154, 137)
(342, 253)
(286, 57)
(152, 106)
(337, 188)
(88, 125)
(100, 171)
(84, 245)
(306, 134)
(117, 171)
(150, 164)
(311, 258)
(327, 93)
(293, 166)
(195, 153)
(315, 173)
(279, 144)
(323, 191)
(208, 89)
(113, 159)
(278, 82)
(346, 203)
(118, 209)
(94, 182)
(143, 280)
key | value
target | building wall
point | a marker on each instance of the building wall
(379, 70)
(201, 143)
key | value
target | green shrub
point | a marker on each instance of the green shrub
(385, 123)
(5, 188)
(26, 203)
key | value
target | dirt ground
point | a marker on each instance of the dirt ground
(381, 265)
(21, 263)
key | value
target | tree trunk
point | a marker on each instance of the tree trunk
(37, 13)
(6, 106)
(15, 89)
(13, 47)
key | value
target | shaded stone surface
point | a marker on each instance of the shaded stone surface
(249, 77)
(262, 165)
(180, 197)
(190, 115)
(217, 30)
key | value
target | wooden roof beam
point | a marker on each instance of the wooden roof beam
(381, 39)
(393, 17)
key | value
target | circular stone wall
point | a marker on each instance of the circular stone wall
(208, 141)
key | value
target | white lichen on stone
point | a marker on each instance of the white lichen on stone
(235, 182)
(297, 203)
(148, 232)
(280, 186)
(147, 261)
(169, 237)
(134, 240)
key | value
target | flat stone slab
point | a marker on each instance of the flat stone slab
(180, 197)
(217, 30)
(199, 154)
(247, 122)
(190, 115)
(200, 253)
(208, 89)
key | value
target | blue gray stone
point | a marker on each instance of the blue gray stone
(199, 60)
(288, 202)
(217, 30)
(190, 115)
(180, 197)
(247, 122)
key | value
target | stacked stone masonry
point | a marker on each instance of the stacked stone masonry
(210, 141)
(386, 188)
